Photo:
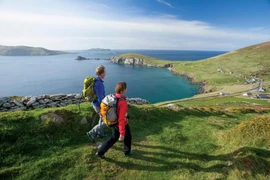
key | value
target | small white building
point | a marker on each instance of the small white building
(224, 94)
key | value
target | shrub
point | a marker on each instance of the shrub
(256, 131)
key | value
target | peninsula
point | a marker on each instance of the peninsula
(27, 51)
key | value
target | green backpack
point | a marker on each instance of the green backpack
(88, 89)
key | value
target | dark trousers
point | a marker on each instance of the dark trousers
(114, 137)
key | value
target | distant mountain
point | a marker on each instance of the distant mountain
(98, 49)
(27, 51)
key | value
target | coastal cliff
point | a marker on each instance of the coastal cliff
(139, 60)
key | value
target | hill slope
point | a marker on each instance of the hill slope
(27, 51)
(201, 141)
(234, 68)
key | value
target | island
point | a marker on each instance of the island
(98, 49)
(79, 58)
(27, 51)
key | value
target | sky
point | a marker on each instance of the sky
(135, 24)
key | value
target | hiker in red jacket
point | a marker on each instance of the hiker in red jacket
(121, 131)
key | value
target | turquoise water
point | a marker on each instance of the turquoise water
(34, 75)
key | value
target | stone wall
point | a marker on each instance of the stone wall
(48, 101)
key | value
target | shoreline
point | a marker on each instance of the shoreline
(190, 78)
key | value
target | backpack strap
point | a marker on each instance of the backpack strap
(95, 81)
(117, 100)
(94, 89)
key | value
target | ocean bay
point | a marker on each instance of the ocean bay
(36, 75)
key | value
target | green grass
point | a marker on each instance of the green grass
(186, 144)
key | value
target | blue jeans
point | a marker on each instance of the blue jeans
(98, 129)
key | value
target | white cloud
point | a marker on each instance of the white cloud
(77, 32)
(165, 3)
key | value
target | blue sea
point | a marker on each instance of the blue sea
(36, 75)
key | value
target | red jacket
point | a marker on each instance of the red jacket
(122, 109)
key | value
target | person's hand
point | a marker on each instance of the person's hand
(121, 138)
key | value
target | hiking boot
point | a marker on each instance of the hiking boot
(101, 156)
(130, 153)
(102, 136)
(91, 137)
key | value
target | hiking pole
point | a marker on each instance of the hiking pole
(79, 105)
(94, 120)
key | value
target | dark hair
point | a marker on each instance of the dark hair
(99, 70)
(120, 87)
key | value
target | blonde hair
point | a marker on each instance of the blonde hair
(99, 70)
(120, 87)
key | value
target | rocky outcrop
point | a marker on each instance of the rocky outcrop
(128, 61)
(52, 117)
(79, 58)
(137, 101)
(174, 107)
(136, 62)
(49, 101)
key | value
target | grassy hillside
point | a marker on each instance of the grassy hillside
(202, 140)
(233, 68)
(229, 72)
(27, 51)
